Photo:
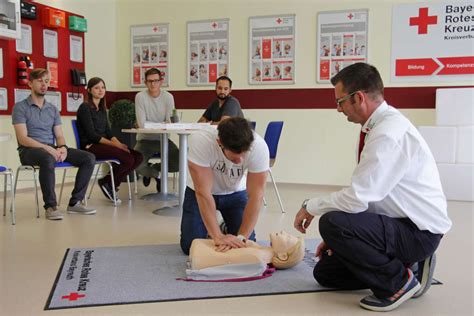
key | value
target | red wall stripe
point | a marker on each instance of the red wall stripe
(399, 97)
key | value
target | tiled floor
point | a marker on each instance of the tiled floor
(31, 252)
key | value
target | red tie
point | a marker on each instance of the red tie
(361, 144)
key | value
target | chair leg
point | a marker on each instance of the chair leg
(14, 188)
(264, 201)
(129, 188)
(5, 194)
(114, 194)
(94, 181)
(174, 181)
(276, 191)
(135, 180)
(62, 186)
(12, 197)
(36, 193)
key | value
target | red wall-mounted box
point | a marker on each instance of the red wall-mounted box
(53, 18)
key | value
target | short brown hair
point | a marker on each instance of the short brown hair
(360, 76)
(38, 73)
(153, 71)
(235, 134)
(224, 78)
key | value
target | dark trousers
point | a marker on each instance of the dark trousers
(231, 207)
(128, 161)
(371, 251)
(149, 148)
(79, 158)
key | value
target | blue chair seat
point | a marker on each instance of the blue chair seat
(2, 168)
(63, 164)
(272, 138)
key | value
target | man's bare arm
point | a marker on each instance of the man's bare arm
(255, 190)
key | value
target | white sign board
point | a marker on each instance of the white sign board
(208, 51)
(149, 49)
(342, 41)
(272, 49)
(433, 42)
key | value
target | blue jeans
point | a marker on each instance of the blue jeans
(231, 207)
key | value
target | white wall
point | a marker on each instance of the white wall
(317, 146)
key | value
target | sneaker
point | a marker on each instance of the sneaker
(78, 208)
(221, 223)
(425, 274)
(108, 193)
(376, 304)
(158, 185)
(53, 214)
(223, 227)
(146, 181)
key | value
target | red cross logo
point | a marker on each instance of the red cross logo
(423, 20)
(73, 296)
(350, 16)
(279, 21)
(155, 29)
(214, 25)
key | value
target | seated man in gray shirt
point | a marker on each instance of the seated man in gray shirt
(224, 106)
(41, 143)
(154, 105)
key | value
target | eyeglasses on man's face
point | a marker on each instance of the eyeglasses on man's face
(345, 98)
(153, 81)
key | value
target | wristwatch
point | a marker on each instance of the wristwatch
(241, 238)
(65, 146)
(305, 204)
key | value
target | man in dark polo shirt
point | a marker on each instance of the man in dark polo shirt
(41, 143)
(224, 106)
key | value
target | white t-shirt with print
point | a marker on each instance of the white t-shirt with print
(228, 177)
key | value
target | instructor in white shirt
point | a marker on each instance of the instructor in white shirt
(392, 215)
(228, 169)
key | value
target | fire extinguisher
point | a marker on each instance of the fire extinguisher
(22, 73)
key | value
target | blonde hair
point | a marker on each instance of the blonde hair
(291, 257)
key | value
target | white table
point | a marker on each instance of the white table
(5, 137)
(183, 157)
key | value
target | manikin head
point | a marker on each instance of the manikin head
(288, 250)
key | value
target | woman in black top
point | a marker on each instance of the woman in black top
(95, 136)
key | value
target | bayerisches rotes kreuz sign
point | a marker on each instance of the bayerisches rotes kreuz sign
(433, 42)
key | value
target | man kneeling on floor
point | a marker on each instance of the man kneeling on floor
(41, 143)
(228, 169)
(392, 215)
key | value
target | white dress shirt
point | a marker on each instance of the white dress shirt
(396, 176)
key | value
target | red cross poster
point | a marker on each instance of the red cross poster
(342, 41)
(272, 49)
(208, 51)
(149, 49)
(433, 42)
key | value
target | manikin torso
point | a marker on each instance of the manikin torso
(203, 254)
